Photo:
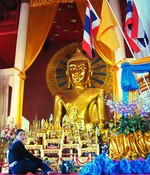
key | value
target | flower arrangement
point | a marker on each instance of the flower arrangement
(104, 165)
(8, 133)
(134, 116)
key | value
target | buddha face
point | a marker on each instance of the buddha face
(78, 72)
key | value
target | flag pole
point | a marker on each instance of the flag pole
(148, 54)
(146, 46)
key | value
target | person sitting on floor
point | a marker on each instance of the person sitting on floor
(21, 161)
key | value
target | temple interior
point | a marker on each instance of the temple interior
(74, 109)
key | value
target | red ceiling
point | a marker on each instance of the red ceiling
(9, 15)
(7, 50)
(67, 27)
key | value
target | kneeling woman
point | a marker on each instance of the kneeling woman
(21, 161)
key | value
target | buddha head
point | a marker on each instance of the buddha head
(79, 71)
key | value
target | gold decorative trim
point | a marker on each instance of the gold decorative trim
(142, 84)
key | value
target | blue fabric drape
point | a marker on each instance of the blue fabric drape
(128, 80)
(102, 164)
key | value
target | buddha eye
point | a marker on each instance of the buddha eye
(83, 68)
(72, 68)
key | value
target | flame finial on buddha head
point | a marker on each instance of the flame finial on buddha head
(78, 55)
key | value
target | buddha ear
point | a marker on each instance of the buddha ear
(89, 78)
(66, 72)
(91, 73)
(89, 82)
(69, 82)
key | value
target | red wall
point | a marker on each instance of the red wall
(37, 97)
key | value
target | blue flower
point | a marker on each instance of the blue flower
(94, 167)
(96, 170)
(101, 159)
(107, 164)
(146, 165)
(136, 167)
(113, 168)
(86, 169)
(104, 165)
(125, 167)
(91, 169)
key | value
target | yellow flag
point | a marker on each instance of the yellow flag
(106, 32)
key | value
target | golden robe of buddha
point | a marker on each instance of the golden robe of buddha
(79, 102)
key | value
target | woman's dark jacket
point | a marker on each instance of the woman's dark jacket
(17, 151)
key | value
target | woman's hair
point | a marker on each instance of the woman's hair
(17, 131)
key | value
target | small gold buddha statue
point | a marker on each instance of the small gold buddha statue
(80, 101)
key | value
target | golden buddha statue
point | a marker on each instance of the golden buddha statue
(80, 101)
